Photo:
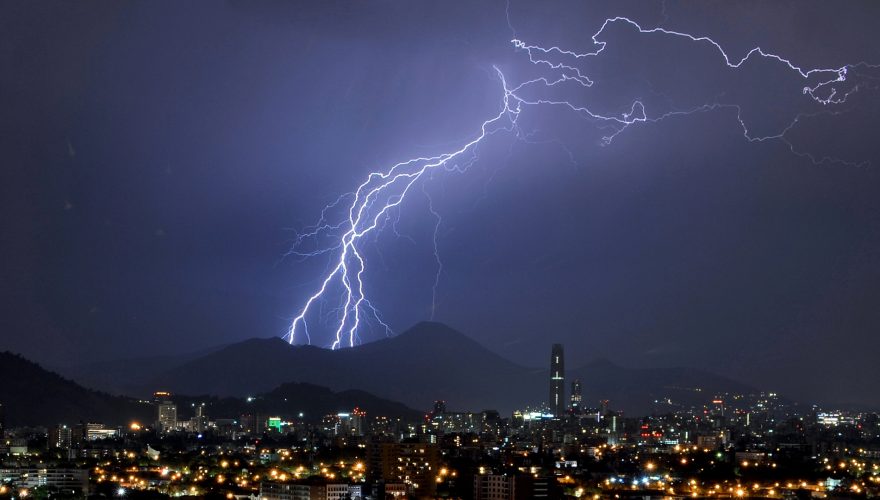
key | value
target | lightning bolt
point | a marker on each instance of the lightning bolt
(369, 207)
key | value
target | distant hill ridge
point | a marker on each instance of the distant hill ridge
(32, 395)
(428, 362)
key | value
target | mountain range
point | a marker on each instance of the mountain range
(428, 362)
(31, 396)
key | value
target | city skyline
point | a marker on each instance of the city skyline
(274, 250)
(729, 445)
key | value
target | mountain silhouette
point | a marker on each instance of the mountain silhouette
(428, 362)
(637, 390)
(127, 376)
(32, 395)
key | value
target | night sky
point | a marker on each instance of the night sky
(159, 157)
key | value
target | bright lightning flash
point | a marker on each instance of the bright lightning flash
(369, 206)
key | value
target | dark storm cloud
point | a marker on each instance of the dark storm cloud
(155, 156)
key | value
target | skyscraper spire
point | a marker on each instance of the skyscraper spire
(557, 381)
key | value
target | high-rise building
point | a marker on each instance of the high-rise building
(253, 423)
(199, 421)
(358, 422)
(167, 411)
(167, 416)
(520, 486)
(535, 486)
(270, 490)
(413, 463)
(493, 487)
(576, 397)
(557, 381)
(60, 437)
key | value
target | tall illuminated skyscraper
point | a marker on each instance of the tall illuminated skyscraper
(557, 381)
